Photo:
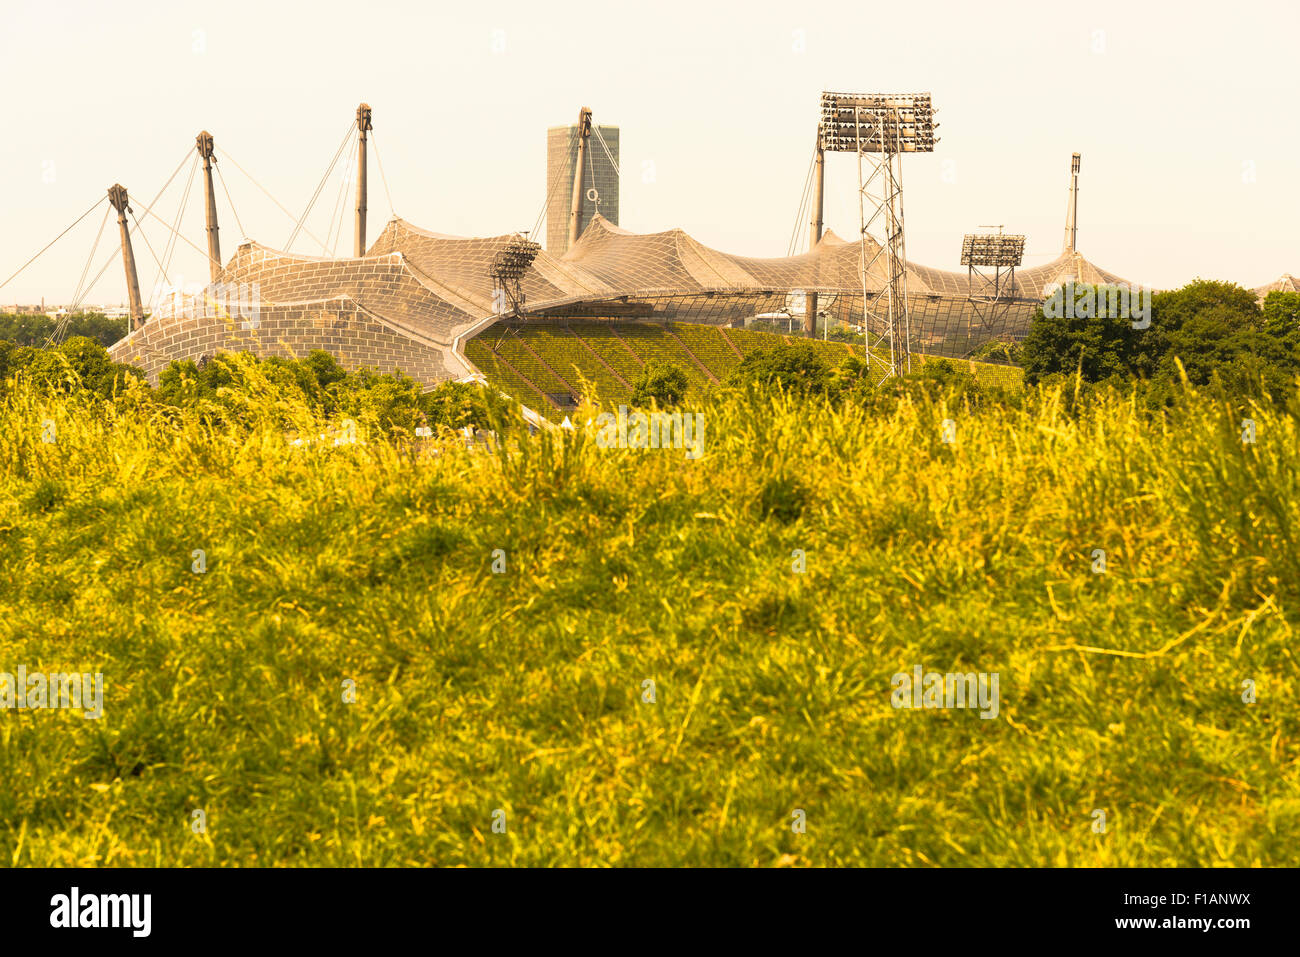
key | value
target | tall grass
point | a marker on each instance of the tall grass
(523, 691)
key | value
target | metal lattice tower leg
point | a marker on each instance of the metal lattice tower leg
(886, 315)
(990, 301)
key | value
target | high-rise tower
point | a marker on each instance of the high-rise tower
(599, 187)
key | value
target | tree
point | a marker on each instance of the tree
(78, 363)
(1172, 309)
(1245, 357)
(32, 329)
(88, 358)
(6, 358)
(1281, 313)
(1098, 342)
(1102, 343)
(797, 367)
(94, 325)
(25, 329)
(460, 404)
(660, 383)
(325, 369)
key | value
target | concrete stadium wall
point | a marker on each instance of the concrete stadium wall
(356, 339)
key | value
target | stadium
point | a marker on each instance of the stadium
(695, 519)
(537, 324)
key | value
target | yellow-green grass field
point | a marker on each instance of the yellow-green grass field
(523, 692)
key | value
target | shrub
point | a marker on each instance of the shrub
(797, 367)
(659, 383)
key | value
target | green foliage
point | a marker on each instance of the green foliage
(1281, 313)
(230, 385)
(1173, 309)
(459, 405)
(802, 372)
(238, 387)
(1097, 342)
(1248, 357)
(796, 367)
(996, 350)
(930, 383)
(25, 329)
(33, 329)
(660, 383)
(75, 364)
(1211, 332)
(843, 334)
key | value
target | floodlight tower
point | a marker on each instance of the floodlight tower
(575, 207)
(507, 269)
(363, 124)
(989, 294)
(1072, 208)
(815, 228)
(204, 144)
(117, 196)
(880, 128)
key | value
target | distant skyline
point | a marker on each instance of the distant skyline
(1184, 116)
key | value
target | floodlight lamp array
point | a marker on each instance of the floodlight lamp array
(515, 259)
(878, 123)
(992, 250)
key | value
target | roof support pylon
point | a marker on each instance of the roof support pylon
(363, 124)
(204, 144)
(1072, 210)
(575, 208)
(118, 197)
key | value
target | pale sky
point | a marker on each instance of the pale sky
(1185, 114)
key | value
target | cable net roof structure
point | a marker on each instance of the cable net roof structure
(416, 296)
